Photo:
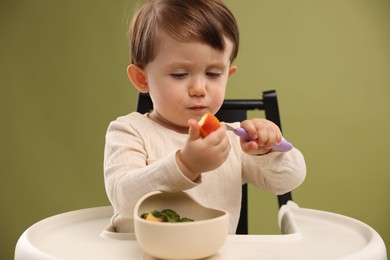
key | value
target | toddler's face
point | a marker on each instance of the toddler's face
(187, 80)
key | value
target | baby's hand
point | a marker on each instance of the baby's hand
(264, 132)
(203, 154)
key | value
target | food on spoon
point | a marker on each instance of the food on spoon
(208, 124)
(166, 215)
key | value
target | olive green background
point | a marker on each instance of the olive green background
(63, 79)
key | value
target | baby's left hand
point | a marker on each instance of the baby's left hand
(264, 133)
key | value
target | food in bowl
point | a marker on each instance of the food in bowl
(198, 239)
(166, 215)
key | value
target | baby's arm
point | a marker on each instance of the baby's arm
(131, 171)
(202, 154)
(277, 172)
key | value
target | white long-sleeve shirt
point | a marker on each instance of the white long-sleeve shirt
(140, 157)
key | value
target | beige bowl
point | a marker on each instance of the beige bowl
(187, 240)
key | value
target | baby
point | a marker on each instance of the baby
(182, 54)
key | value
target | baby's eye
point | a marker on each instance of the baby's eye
(213, 74)
(179, 75)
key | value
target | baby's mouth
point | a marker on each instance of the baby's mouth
(198, 108)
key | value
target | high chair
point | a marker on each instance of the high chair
(306, 233)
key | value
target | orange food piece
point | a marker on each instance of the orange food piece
(152, 218)
(208, 124)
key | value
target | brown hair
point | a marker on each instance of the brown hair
(207, 21)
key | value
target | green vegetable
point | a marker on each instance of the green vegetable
(166, 215)
(186, 220)
(171, 215)
(160, 215)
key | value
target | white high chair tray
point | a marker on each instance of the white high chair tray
(308, 234)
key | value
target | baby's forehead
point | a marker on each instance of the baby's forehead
(172, 52)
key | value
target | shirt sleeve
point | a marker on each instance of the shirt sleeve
(130, 174)
(276, 172)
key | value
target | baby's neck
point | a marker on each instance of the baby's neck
(167, 124)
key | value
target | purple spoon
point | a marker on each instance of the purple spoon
(284, 146)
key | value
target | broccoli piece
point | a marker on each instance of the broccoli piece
(185, 219)
(144, 215)
(171, 215)
(160, 215)
(166, 215)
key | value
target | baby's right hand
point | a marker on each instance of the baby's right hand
(203, 154)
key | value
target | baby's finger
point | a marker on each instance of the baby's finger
(193, 132)
(272, 136)
(262, 132)
(249, 146)
(250, 128)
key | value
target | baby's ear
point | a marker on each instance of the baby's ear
(137, 76)
(232, 70)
